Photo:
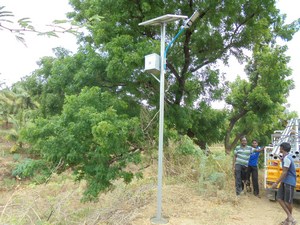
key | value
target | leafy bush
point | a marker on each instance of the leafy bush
(30, 168)
(185, 161)
(182, 158)
(186, 146)
(215, 171)
(93, 136)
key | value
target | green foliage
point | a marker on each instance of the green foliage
(257, 103)
(185, 161)
(215, 171)
(112, 51)
(15, 112)
(218, 38)
(96, 131)
(198, 122)
(30, 168)
(187, 147)
(92, 136)
(182, 157)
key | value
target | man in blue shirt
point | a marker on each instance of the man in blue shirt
(252, 170)
(287, 180)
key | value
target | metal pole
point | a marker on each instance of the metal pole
(159, 219)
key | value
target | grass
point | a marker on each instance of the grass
(59, 201)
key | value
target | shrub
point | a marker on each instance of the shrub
(30, 168)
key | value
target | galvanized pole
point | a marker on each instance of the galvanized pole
(162, 21)
(159, 219)
(161, 120)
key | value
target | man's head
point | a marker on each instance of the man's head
(254, 143)
(285, 147)
(243, 141)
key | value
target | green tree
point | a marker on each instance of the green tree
(112, 54)
(223, 29)
(15, 111)
(257, 104)
(67, 74)
(93, 136)
(111, 57)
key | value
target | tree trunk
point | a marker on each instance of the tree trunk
(229, 146)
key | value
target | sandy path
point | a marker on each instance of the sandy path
(185, 207)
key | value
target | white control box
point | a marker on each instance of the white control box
(152, 63)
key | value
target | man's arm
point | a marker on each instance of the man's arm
(259, 149)
(283, 175)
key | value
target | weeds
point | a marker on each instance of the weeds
(211, 175)
(186, 167)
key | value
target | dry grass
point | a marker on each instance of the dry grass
(190, 184)
(217, 148)
(59, 202)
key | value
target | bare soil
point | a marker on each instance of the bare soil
(184, 206)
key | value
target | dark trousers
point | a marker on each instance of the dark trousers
(240, 173)
(252, 172)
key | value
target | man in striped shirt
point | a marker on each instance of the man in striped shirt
(240, 162)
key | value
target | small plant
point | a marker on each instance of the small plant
(8, 183)
(182, 159)
(215, 171)
(187, 147)
(30, 168)
(16, 157)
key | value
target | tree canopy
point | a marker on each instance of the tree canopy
(257, 103)
(93, 136)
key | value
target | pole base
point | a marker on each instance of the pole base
(155, 220)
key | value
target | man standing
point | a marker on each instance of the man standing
(240, 163)
(253, 170)
(287, 182)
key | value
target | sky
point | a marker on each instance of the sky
(17, 60)
(290, 7)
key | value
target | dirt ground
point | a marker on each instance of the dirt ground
(183, 206)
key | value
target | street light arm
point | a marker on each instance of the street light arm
(171, 43)
(187, 25)
(190, 20)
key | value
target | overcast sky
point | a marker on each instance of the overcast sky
(16, 60)
(290, 7)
